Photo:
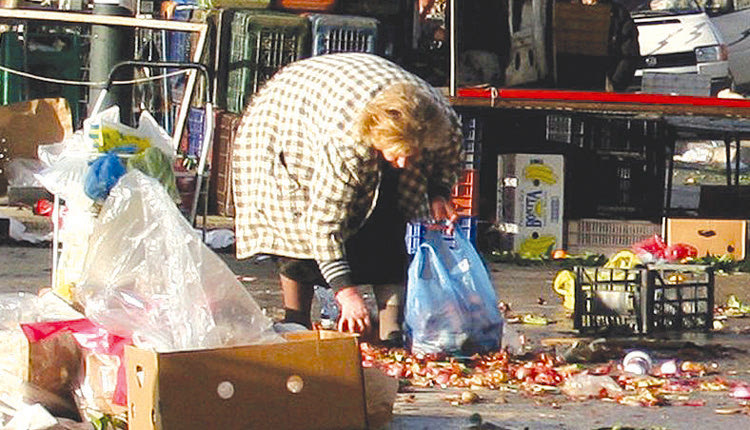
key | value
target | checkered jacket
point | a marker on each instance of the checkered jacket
(303, 183)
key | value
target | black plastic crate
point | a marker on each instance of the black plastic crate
(342, 33)
(609, 300)
(659, 298)
(681, 298)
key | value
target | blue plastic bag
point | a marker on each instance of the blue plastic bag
(451, 305)
(102, 175)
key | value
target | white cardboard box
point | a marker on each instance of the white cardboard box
(530, 194)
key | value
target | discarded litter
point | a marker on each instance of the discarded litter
(637, 362)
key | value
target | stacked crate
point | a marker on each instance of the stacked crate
(464, 195)
(415, 231)
(220, 197)
(342, 33)
(261, 43)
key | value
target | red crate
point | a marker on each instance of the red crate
(464, 194)
(220, 196)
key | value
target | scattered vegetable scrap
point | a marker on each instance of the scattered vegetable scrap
(670, 383)
(733, 308)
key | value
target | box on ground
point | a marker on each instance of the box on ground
(709, 236)
(530, 194)
(312, 381)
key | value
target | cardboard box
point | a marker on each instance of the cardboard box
(710, 236)
(26, 125)
(581, 29)
(313, 381)
(530, 201)
(45, 371)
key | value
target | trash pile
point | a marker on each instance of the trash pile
(634, 380)
(605, 368)
(134, 280)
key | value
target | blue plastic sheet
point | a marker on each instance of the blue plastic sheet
(451, 305)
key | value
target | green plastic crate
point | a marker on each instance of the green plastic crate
(52, 55)
(11, 56)
(261, 43)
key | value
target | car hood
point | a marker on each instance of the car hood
(666, 34)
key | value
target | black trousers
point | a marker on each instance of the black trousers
(376, 253)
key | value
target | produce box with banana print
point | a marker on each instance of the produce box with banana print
(530, 202)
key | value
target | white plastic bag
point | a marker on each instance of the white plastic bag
(102, 131)
(149, 276)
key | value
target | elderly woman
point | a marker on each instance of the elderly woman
(332, 157)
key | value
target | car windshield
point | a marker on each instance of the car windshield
(660, 6)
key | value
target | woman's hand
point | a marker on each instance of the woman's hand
(442, 209)
(355, 318)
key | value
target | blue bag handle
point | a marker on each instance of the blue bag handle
(431, 236)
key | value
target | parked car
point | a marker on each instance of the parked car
(677, 36)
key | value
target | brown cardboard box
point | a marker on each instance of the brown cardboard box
(313, 381)
(43, 372)
(709, 236)
(26, 125)
(581, 29)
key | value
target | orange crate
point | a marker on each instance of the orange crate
(466, 184)
(305, 5)
(465, 206)
(464, 194)
(221, 172)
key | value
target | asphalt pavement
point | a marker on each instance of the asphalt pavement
(526, 290)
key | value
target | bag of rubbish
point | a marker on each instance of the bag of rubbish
(105, 133)
(150, 277)
(451, 305)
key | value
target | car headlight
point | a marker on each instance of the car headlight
(706, 54)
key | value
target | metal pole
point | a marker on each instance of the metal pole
(728, 161)
(453, 35)
(109, 46)
(738, 146)
(670, 141)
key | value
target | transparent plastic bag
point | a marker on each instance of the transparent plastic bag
(149, 276)
(36, 370)
(584, 386)
(451, 305)
(104, 133)
(20, 172)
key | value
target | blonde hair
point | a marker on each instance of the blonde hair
(405, 118)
